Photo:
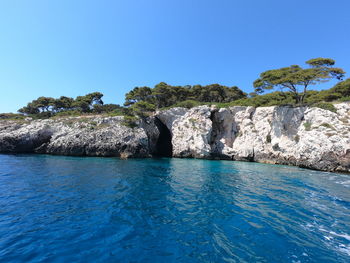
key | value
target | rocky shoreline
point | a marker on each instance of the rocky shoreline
(301, 136)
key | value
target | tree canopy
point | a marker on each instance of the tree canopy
(165, 95)
(138, 94)
(341, 91)
(63, 103)
(48, 106)
(40, 105)
(85, 103)
(292, 84)
(297, 79)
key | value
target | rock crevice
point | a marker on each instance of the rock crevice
(301, 136)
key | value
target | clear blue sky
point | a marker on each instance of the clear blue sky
(73, 47)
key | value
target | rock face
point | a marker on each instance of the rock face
(74, 136)
(302, 136)
(190, 131)
(306, 137)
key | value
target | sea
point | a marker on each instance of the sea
(87, 209)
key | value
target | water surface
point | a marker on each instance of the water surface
(70, 209)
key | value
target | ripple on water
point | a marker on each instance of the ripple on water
(65, 209)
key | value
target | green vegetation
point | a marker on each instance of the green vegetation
(130, 121)
(327, 125)
(297, 138)
(11, 116)
(138, 110)
(45, 107)
(270, 99)
(268, 138)
(293, 77)
(307, 126)
(164, 95)
(293, 83)
(325, 106)
(188, 104)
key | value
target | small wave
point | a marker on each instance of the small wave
(346, 236)
(345, 249)
(345, 183)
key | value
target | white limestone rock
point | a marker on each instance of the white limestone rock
(191, 132)
(301, 136)
(83, 136)
(169, 116)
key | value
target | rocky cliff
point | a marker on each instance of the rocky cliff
(306, 137)
(301, 136)
(79, 136)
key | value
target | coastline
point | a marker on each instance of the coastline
(306, 137)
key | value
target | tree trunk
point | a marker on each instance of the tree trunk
(297, 98)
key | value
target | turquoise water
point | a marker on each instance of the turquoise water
(70, 209)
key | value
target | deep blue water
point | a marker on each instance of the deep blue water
(70, 209)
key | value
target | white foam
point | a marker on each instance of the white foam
(346, 236)
(345, 183)
(344, 249)
(328, 237)
(341, 247)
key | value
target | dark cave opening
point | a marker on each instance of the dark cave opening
(164, 147)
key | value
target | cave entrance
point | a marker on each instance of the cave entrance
(163, 148)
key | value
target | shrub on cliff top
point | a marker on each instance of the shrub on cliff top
(130, 121)
(338, 92)
(270, 99)
(307, 126)
(11, 116)
(188, 104)
(325, 106)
